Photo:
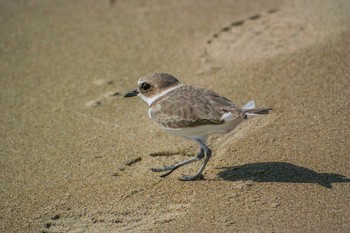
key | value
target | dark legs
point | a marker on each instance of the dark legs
(204, 152)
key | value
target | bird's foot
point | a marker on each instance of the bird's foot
(162, 169)
(192, 178)
(170, 169)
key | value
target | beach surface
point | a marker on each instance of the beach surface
(75, 156)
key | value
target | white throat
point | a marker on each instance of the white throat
(150, 100)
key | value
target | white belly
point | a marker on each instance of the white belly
(203, 131)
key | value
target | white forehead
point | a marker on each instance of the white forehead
(139, 81)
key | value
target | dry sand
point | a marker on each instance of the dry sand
(76, 156)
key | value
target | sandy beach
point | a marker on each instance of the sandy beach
(75, 156)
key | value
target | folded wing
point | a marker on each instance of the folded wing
(189, 106)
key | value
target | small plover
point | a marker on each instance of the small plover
(190, 112)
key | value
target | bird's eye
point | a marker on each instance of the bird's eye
(145, 86)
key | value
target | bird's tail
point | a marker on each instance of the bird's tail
(250, 110)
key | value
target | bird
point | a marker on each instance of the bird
(190, 112)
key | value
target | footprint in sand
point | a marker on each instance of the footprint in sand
(148, 222)
(258, 36)
(84, 222)
(103, 97)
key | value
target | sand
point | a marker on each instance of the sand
(76, 156)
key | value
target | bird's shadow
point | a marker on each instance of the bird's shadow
(280, 172)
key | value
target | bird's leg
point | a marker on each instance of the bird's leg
(172, 168)
(199, 175)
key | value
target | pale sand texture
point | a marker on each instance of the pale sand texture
(76, 156)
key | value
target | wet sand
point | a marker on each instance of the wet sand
(76, 156)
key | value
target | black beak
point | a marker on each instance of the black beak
(132, 93)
